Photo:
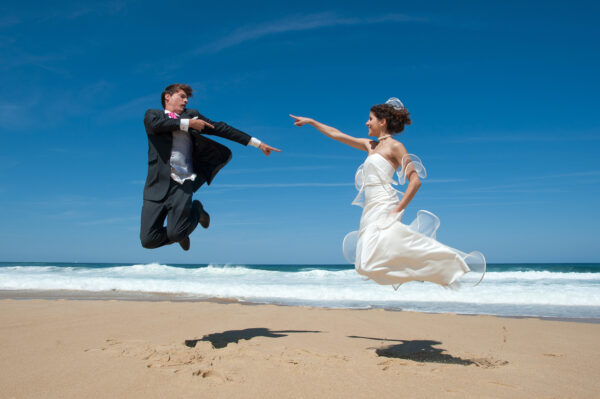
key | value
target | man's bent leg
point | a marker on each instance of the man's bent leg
(182, 218)
(153, 234)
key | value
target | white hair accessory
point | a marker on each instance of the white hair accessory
(395, 103)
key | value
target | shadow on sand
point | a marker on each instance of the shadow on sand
(416, 350)
(221, 340)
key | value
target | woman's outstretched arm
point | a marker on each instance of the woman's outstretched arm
(361, 144)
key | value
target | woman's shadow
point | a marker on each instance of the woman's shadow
(417, 350)
(221, 340)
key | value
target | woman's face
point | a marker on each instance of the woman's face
(376, 126)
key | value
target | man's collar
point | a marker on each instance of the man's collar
(171, 112)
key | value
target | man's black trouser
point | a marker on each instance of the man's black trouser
(176, 207)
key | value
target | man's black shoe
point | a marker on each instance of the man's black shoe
(204, 218)
(185, 243)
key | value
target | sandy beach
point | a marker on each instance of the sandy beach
(157, 349)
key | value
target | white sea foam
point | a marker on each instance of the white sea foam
(536, 293)
(540, 275)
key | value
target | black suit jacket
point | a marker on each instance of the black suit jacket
(208, 156)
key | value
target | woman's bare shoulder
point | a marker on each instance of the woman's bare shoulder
(398, 148)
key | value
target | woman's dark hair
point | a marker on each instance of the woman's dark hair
(174, 88)
(396, 118)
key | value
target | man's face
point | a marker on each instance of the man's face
(176, 102)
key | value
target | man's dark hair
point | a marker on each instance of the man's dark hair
(174, 88)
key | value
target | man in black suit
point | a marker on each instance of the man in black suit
(180, 160)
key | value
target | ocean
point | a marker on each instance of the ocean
(565, 290)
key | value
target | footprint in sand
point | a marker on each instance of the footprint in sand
(171, 357)
(211, 375)
(501, 384)
(488, 363)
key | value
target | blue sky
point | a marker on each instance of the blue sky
(503, 97)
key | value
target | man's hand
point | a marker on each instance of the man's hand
(266, 149)
(199, 124)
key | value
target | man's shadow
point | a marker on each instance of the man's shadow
(417, 350)
(221, 340)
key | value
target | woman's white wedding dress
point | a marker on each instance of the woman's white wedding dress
(390, 252)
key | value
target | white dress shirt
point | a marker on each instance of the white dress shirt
(182, 168)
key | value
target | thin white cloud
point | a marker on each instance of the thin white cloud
(8, 108)
(531, 187)
(519, 190)
(68, 214)
(80, 201)
(57, 13)
(311, 184)
(101, 9)
(296, 24)
(541, 138)
(131, 107)
(356, 157)
(14, 115)
(282, 185)
(489, 204)
(114, 220)
(445, 180)
(42, 61)
(589, 173)
(537, 184)
(8, 21)
(7, 162)
(275, 169)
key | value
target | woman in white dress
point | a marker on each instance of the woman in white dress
(384, 249)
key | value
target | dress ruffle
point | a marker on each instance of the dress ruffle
(411, 163)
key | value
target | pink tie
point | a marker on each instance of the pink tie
(173, 115)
